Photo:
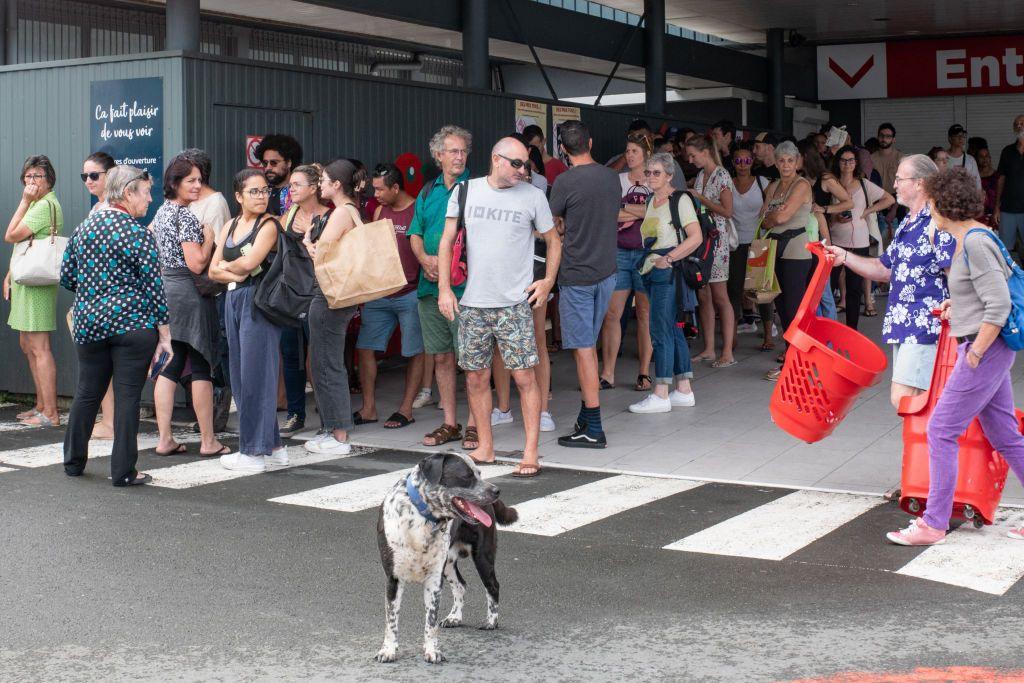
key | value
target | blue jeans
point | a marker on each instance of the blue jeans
(293, 359)
(1011, 227)
(827, 307)
(671, 353)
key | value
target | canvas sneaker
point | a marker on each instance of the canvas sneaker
(747, 328)
(425, 397)
(239, 462)
(292, 424)
(652, 404)
(328, 445)
(279, 456)
(501, 418)
(581, 439)
(680, 400)
(547, 423)
(917, 533)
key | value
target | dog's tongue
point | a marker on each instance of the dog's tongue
(477, 512)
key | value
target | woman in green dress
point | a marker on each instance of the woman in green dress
(34, 309)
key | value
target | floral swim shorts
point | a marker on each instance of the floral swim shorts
(511, 327)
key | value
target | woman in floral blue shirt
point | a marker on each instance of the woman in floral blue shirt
(120, 320)
(915, 265)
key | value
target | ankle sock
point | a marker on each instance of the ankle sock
(592, 419)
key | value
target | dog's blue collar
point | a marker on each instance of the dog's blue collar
(417, 500)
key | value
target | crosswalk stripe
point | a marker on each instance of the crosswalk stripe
(15, 427)
(983, 559)
(53, 453)
(210, 471)
(7, 469)
(365, 493)
(776, 530)
(566, 510)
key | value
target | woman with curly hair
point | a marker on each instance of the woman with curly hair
(979, 386)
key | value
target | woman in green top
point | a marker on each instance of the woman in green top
(34, 309)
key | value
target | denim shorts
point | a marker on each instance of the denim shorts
(912, 364)
(582, 309)
(379, 319)
(627, 276)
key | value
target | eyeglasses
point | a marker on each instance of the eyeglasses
(93, 176)
(900, 180)
(256, 192)
(514, 163)
(654, 174)
(34, 176)
(742, 161)
(848, 160)
(457, 152)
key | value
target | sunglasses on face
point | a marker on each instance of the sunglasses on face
(654, 174)
(271, 162)
(514, 163)
(742, 161)
(93, 176)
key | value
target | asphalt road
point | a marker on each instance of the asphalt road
(216, 582)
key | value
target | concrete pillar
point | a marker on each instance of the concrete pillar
(8, 31)
(182, 25)
(776, 94)
(654, 56)
(475, 58)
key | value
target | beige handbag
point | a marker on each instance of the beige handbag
(362, 266)
(36, 261)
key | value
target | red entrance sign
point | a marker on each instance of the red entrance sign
(962, 66)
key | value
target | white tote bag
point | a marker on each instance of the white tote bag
(36, 261)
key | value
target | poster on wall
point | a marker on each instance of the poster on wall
(559, 115)
(128, 124)
(531, 114)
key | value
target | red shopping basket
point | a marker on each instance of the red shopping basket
(981, 471)
(827, 365)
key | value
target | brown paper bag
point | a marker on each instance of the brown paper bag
(362, 266)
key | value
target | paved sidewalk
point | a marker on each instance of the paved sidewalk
(728, 436)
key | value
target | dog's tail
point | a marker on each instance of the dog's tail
(504, 514)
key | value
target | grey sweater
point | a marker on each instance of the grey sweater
(977, 286)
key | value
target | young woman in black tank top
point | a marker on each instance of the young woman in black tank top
(252, 339)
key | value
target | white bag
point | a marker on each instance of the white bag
(36, 262)
(734, 237)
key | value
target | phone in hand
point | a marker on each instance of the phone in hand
(158, 365)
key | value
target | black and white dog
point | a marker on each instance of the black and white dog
(441, 512)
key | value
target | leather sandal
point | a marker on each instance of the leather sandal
(444, 434)
(471, 441)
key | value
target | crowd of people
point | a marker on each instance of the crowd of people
(553, 240)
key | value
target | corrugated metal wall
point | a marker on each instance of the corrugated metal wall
(44, 109)
(344, 115)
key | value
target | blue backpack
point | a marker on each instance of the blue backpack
(1013, 331)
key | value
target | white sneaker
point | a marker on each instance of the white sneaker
(279, 456)
(500, 418)
(327, 445)
(652, 404)
(240, 462)
(424, 398)
(547, 423)
(747, 328)
(680, 400)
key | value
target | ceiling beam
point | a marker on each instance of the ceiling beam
(595, 38)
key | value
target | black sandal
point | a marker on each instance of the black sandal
(643, 383)
(360, 420)
(180, 449)
(605, 384)
(138, 480)
(399, 421)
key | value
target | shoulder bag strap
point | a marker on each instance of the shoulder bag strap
(354, 212)
(463, 195)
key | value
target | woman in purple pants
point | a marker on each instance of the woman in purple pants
(979, 385)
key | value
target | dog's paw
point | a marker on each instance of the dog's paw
(432, 655)
(489, 626)
(386, 655)
(451, 622)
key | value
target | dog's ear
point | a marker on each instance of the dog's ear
(432, 466)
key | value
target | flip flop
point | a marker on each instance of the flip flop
(177, 450)
(724, 363)
(401, 420)
(224, 450)
(482, 463)
(360, 420)
(518, 473)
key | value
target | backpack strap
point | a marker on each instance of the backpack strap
(1002, 247)
(673, 207)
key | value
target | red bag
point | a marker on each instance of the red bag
(460, 263)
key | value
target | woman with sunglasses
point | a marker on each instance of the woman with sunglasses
(120, 320)
(635, 193)
(94, 176)
(850, 229)
(748, 197)
(243, 255)
(34, 309)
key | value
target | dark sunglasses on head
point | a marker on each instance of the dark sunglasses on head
(93, 176)
(514, 163)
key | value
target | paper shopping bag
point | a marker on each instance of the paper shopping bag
(362, 266)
